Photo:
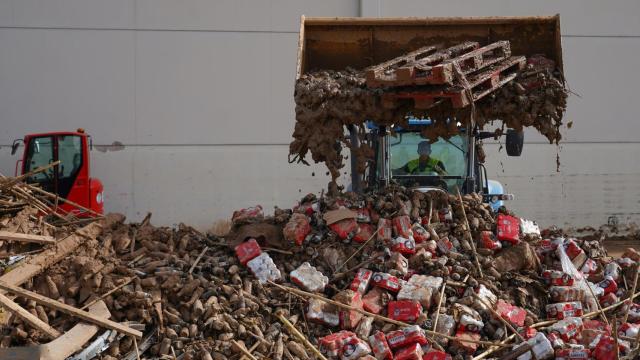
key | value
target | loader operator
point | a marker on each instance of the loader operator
(425, 164)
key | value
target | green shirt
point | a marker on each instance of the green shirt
(432, 165)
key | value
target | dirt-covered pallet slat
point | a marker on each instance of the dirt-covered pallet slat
(480, 84)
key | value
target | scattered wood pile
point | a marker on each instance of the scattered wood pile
(344, 277)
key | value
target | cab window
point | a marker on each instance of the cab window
(70, 155)
(40, 153)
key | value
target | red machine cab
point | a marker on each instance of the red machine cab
(70, 179)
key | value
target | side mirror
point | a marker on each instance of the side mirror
(14, 146)
(515, 141)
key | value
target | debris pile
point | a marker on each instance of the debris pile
(465, 84)
(395, 274)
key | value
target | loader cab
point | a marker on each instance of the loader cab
(70, 179)
(396, 147)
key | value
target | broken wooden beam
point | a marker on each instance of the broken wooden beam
(62, 347)
(28, 317)
(30, 238)
(70, 310)
(32, 267)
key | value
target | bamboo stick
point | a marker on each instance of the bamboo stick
(435, 322)
(635, 283)
(243, 350)
(109, 293)
(493, 349)
(595, 298)
(198, 259)
(357, 251)
(468, 233)
(300, 336)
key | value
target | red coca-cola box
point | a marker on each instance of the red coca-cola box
(546, 246)
(573, 354)
(508, 228)
(361, 281)
(384, 232)
(349, 319)
(331, 345)
(247, 251)
(608, 285)
(564, 310)
(404, 310)
(557, 278)
(402, 226)
(489, 241)
(608, 300)
(372, 301)
(354, 348)
(605, 349)
(511, 313)
(345, 229)
(444, 245)
(528, 332)
(386, 281)
(363, 215)
(573, 249)
(436, 355)
(406, 336)
(420, 234)
(365, 232)
(380, 347)
(404, 245)
(411, 352)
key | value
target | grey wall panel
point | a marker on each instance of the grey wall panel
(228, 100)
(595, 181)
(71, 13)
(236, 15)
(578, 17)
(202, 184)
(65, 79)
(6, 13)
(601, 73)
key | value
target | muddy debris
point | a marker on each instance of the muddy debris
(410, 285)
(329, 102)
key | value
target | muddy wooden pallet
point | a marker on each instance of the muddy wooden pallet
(438, 68)
(480, 84)
(381, 70)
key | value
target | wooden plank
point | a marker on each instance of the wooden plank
(74, 340)
(28, 317)
(32, 267)
(38, 239)
(62, 347)
(86, 316)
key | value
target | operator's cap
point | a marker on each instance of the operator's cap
(424, 148)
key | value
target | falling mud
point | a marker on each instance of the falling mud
(327, 102)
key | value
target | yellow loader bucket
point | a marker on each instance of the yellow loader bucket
(337, 43)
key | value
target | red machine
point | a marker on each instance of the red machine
(70, 179)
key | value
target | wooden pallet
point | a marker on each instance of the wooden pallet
(398, 73)
(481, 84)
(385, 70)
(438, 69)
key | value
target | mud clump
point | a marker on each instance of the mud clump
(327, 102)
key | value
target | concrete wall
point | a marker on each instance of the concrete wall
(200, 94)
(599, 174)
